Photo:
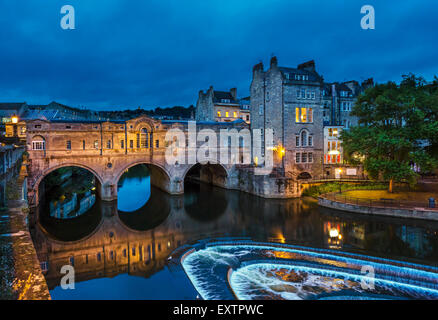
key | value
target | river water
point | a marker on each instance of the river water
(131, 249)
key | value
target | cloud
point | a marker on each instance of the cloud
(162, 52)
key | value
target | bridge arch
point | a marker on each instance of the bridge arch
(34, 184)
(211, 172)
(160, 177)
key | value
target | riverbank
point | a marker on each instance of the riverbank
(20, 271)
(372, 207)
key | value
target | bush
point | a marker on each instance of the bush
(315, 191)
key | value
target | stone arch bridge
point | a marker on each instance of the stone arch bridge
(109, 148)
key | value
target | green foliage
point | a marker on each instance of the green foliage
(394, 122)
(315, 191)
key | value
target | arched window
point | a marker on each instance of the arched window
(304, 138)
(38, 143)
(144, 138)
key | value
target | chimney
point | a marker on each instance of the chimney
(258, 67)
(233, 92)
(309, 66)
(274, 62)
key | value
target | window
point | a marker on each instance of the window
(310, 157)
(310, 144)
(83, 144)
(304, 138)
(304, 157)
(131, 144)
(297, 141)
(218, 114)
(38, 145)
(225, 100)
(44, 266)
(37, 126)
(144, 138)
(247, 118)
(133, 251)
(227, 114)
(108, 144)
(96, 144)
(157, 143)
(235, 114)
(138, 140)
(72, 261)
(99, 256)
(68, 127)
(303, 115)
(122, 144)
(68, 145)
(298, 157)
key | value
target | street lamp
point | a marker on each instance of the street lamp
(14, 119)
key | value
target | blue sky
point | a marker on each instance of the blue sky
(149, 53)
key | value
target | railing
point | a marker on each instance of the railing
(382, 203)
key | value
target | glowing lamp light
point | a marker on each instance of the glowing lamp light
(14, 119)
(334, 233)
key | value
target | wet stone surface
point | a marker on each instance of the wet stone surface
(20, 272)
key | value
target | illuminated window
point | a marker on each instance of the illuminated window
(235, 114)
(219, 114)
(227, 114)
(303, 115)
(96, 144)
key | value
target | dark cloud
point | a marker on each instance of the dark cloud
(162, 52)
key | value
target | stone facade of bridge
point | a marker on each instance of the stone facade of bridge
(108, 149)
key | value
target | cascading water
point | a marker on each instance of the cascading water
(249, 270)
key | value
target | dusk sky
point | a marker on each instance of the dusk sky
(149, 53)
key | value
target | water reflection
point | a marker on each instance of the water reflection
(108, 244)
(68, 192)
(134, 188)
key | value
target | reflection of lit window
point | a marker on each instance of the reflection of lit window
(235, 114)
(219, 114)
(96, 144)
(227, 114)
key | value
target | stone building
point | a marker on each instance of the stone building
(288, 101)
(221, 106)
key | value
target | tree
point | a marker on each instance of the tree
(397, 130)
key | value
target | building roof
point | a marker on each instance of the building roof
(313, 75)
(11, 105)
(219, 95)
